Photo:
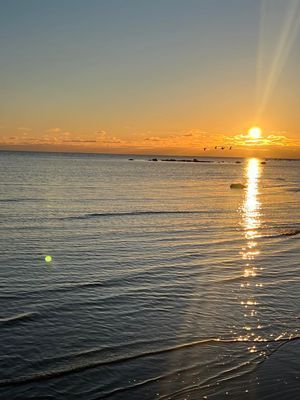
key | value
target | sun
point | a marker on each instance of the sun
(254, 133)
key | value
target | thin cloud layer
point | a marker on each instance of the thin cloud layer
(186, 141)
(268, 140)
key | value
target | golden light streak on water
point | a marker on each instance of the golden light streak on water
(251, 221)
(251, 205)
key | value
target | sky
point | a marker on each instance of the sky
(150, 77)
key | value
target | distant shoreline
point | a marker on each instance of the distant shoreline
(141, 156)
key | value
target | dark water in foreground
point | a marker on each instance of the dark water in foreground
(164, 282)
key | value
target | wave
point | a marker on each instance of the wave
(9, 200)
(82, 366)
(239, 278)
(85, 365)
(167, 376)
(17, 200)
(17, 317)
(223, 376)
(131, 213)
(282, 233)
(50, 289)
(294, 189)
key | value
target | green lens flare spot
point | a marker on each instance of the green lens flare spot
(48, 259)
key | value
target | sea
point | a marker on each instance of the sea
(142, 280)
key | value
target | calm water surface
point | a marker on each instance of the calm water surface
(164, 282)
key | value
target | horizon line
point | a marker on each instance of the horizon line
(142, 155)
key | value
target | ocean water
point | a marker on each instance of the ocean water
(164, 282)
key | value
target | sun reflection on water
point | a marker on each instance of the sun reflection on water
(251, 222)
(251, 207)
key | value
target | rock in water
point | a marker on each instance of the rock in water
(237, 186)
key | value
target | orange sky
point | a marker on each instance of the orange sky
(186, 142)
(141, 79)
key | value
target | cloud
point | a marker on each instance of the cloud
(187, 138)
(80, 141)
(192, 138)
(104, 138)
(24, 129)
(54, 130)
(184, 141)
(267, 140)
(154, 139)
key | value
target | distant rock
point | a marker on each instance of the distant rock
(187, 160)
(153, 159)
(237, 186)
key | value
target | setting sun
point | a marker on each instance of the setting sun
(254, 132)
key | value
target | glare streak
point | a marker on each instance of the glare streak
(286, 40)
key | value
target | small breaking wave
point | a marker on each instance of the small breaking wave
(90, 364)
(131, 213)
(17, 317)
(18, 200)
(294, 189)
(282, 234)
